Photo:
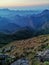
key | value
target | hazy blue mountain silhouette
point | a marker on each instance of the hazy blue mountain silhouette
(14, 23)
(6, 26)
(40, 19)
(15, 26)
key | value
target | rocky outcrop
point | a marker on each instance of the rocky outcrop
(43, 56)
(21, 61)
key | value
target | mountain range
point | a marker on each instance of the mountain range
(12, 23)
(16, 26)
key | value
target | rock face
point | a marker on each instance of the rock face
(21, 61)
(43, 56)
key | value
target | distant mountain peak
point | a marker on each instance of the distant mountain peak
(45, 11)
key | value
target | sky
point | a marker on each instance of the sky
(16, 3)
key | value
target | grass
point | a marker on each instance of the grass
(28, 48)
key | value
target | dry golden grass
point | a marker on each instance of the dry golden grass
(26, 45)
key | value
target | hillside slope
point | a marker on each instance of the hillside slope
(27, 48)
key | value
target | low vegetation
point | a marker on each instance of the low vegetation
(27, 48)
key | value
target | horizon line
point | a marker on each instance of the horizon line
(37, 5)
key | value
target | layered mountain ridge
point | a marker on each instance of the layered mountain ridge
(36, 21)
(14, 27)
